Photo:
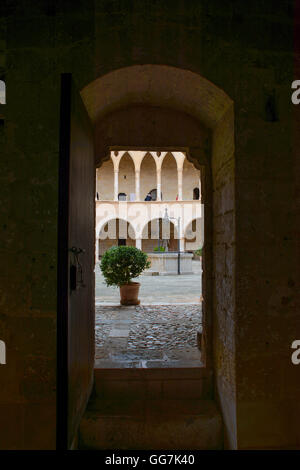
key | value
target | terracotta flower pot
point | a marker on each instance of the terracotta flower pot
(129, 293)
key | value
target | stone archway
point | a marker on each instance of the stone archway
(111, 231)
(187, 98)
(193, 235)
(157, 233)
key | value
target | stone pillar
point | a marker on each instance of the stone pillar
(116, 185)
(97, 251)
(181, 244)
(158, 184)
(179, 174)
(137, 185)
(138, 243)
(180, 234)
(199, 189)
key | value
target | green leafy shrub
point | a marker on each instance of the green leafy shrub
(159, 248)
(120, 264)
(198, 252)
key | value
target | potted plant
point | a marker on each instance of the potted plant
(121, 264)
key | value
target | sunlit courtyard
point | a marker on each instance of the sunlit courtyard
(160, 332)
(155, 290)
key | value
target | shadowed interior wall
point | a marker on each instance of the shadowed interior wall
(224, 269)
(39, 44)
(293, 375)
(245, 49)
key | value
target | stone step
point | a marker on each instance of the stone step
(136, 424)
(175, 383)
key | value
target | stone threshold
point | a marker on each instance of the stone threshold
(145, 304)
(146, 364)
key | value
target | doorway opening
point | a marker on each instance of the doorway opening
(146, 107)
(164, 330)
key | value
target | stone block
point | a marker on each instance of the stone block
(171, 424)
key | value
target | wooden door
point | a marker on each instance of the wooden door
(76, 260)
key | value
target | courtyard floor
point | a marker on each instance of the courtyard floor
(155, 290)
(161, 332)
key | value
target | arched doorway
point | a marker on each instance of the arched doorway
(195, 106)
(117, 104)
(158, 234)
(148, 177)
(122, 197)
(193, 236)
(126, 176)
(196, 193)
(169, 178)
(184, 105)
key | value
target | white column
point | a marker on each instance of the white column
(179, 174)
(97, 250)
(137, 185)
(138, 243)
(200, 189)
(158, 184)
(180, 233)
(116, 185)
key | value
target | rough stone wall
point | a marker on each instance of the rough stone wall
(38, 47)
(267, 295)
(224, 272)
(293, 373)
(246, 49)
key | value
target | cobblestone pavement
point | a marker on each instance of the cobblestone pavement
(147, 336)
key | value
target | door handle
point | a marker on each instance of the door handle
(76, 251)
(76, 272)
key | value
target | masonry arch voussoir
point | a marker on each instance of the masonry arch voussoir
(156, 85)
